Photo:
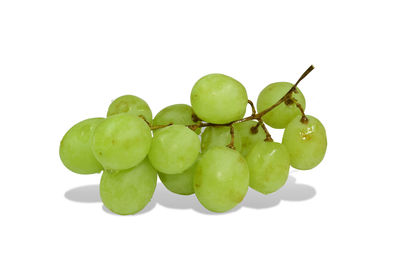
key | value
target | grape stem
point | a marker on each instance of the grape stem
(287, 98)
(253, 109)
(146, 121)
(232, 132)
(268, 137)
(195, 118)
(304, 118)
(254, 129)
(155, 127)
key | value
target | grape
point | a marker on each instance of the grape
(128, 191)
(247, 137)
(219, 136)
(218, 98)
(130, 104)
(121, 141)
(180, 183)
(280, 116)
(75, 151)
(305, 142)
(221, 179)
(174, 149)
(269, 165)
(177, 114)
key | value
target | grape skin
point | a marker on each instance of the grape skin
(121, 141)
(128, 191)
(180, 183)
(305, 142)
(218, 98)
(269, 165)
(248, 139)
(174, 149)
(219, 136)
(221, 179)
(130, 104)
(180, 114)
(281, 115)
(75, 151)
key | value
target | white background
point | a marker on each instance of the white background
(65, 61)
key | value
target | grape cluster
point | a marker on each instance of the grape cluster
(234, 152)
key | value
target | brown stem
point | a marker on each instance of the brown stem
(142, 117)
(195, 118)
(287, 95)
(304, 75)
(268, 137)
(289, 101)
(254, 129)
(194, 127)
(155, 127)
(304, 118)
(232, 132)
(253, 109)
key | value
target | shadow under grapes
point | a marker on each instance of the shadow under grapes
(146, 209)
(84, 194)
(292, 191)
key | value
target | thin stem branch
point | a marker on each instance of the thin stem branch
(195, 118)
(142, 117)
(232, 132)
(268, 137)
(287, 95)
(304, 118)
(253, 109)
(254, 130)
(155, 127)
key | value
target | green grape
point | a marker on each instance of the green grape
(121, 141)
(305, 142)
(221, 179)
(75, 151)
(218, 98)
(174, 149)
(219, 136)
(280, 116)
(130, 104)
(128, 191)
(248, 138)
(180, 114)
(269, 165)
(180, 183)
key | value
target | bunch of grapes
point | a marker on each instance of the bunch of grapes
(234, 152)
